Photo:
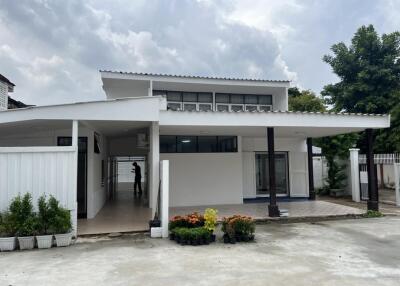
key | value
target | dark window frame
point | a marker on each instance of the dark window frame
(217, 143)
(244, 98)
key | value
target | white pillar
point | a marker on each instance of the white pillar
(396, 167)
(354, 175)
(164, 175)
(154, 165)
(150, 88)
(74, 178)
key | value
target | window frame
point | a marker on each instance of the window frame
(217, 144)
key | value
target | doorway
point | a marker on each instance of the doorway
(82, 172)
(281, 173)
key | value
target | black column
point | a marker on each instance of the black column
(273, 210)
(371, 170)
(311, 190)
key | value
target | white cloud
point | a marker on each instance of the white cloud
(53, 49)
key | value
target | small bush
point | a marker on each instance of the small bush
(197, 235)
(7, 227)
(371, 214)
(59, 218)
(238, 228)
(190, 221)
(210, 217)
(22, 217)
(44, 215)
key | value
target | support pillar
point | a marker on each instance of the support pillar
(373, 201)
(396, 167)
(273, 209)
(74, 213)
(311, 190)
(154, 166)
(354, 175)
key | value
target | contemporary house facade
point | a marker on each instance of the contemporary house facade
(227, 141)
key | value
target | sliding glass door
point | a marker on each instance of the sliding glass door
(281, 173)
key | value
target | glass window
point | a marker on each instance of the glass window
(207, 144)
(190, 97)
(174, 96)
(251, 108)
(186, 144)
(189, 107)
(265, 108)
(250, 99)
(265, 99)
(159, 92)
(167, 144)
(174, 106)
(222, 98)
(236, 108)
(205, 97)
(205, 107)
(222, 107)
(237, 98)
(227, 144)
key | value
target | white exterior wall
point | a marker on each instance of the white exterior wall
(297, 156)
(205, 178)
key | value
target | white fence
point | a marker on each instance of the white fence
(39, 170)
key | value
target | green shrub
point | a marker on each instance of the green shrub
(44, 215)
(238, 227)
(7, 227)
(22, 217)
(371, 213)
(59, 217)
(191, 234)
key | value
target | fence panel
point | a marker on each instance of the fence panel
(38, 170)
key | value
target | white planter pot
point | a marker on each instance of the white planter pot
(44, 241)
(26, 242)
(7, 243)
(63, 239)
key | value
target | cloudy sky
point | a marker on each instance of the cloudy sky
(52, 50)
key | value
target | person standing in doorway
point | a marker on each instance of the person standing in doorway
(138, 178)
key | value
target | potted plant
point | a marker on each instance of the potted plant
(238, 228)
(24, 219)
(44, 238)
(7, 233)
(210, 217)
(60, 223)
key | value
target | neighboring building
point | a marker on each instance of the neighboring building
(6, 86)
(6, 102)
(212, 130)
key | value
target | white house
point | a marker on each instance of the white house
(215, 132)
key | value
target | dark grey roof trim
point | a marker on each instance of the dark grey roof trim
(193, 76)
(6, 80)
(287, 112)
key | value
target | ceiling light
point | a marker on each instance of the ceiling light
(186, 141)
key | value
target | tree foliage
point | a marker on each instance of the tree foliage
(369, 73)
(305, 100)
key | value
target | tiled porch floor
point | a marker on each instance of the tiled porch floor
(295, 209)
(123, 214)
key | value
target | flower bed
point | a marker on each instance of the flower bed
(238, 228)
(194, 228)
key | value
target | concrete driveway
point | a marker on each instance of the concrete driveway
(348, 252)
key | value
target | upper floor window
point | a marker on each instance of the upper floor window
(243, 102)
(204, 101)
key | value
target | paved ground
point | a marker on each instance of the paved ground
(347, 252)
(296, 209)
(387, 209)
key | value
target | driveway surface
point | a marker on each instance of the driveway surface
(347, 252)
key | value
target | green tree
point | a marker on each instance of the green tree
(369, 80)
(305, 100)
